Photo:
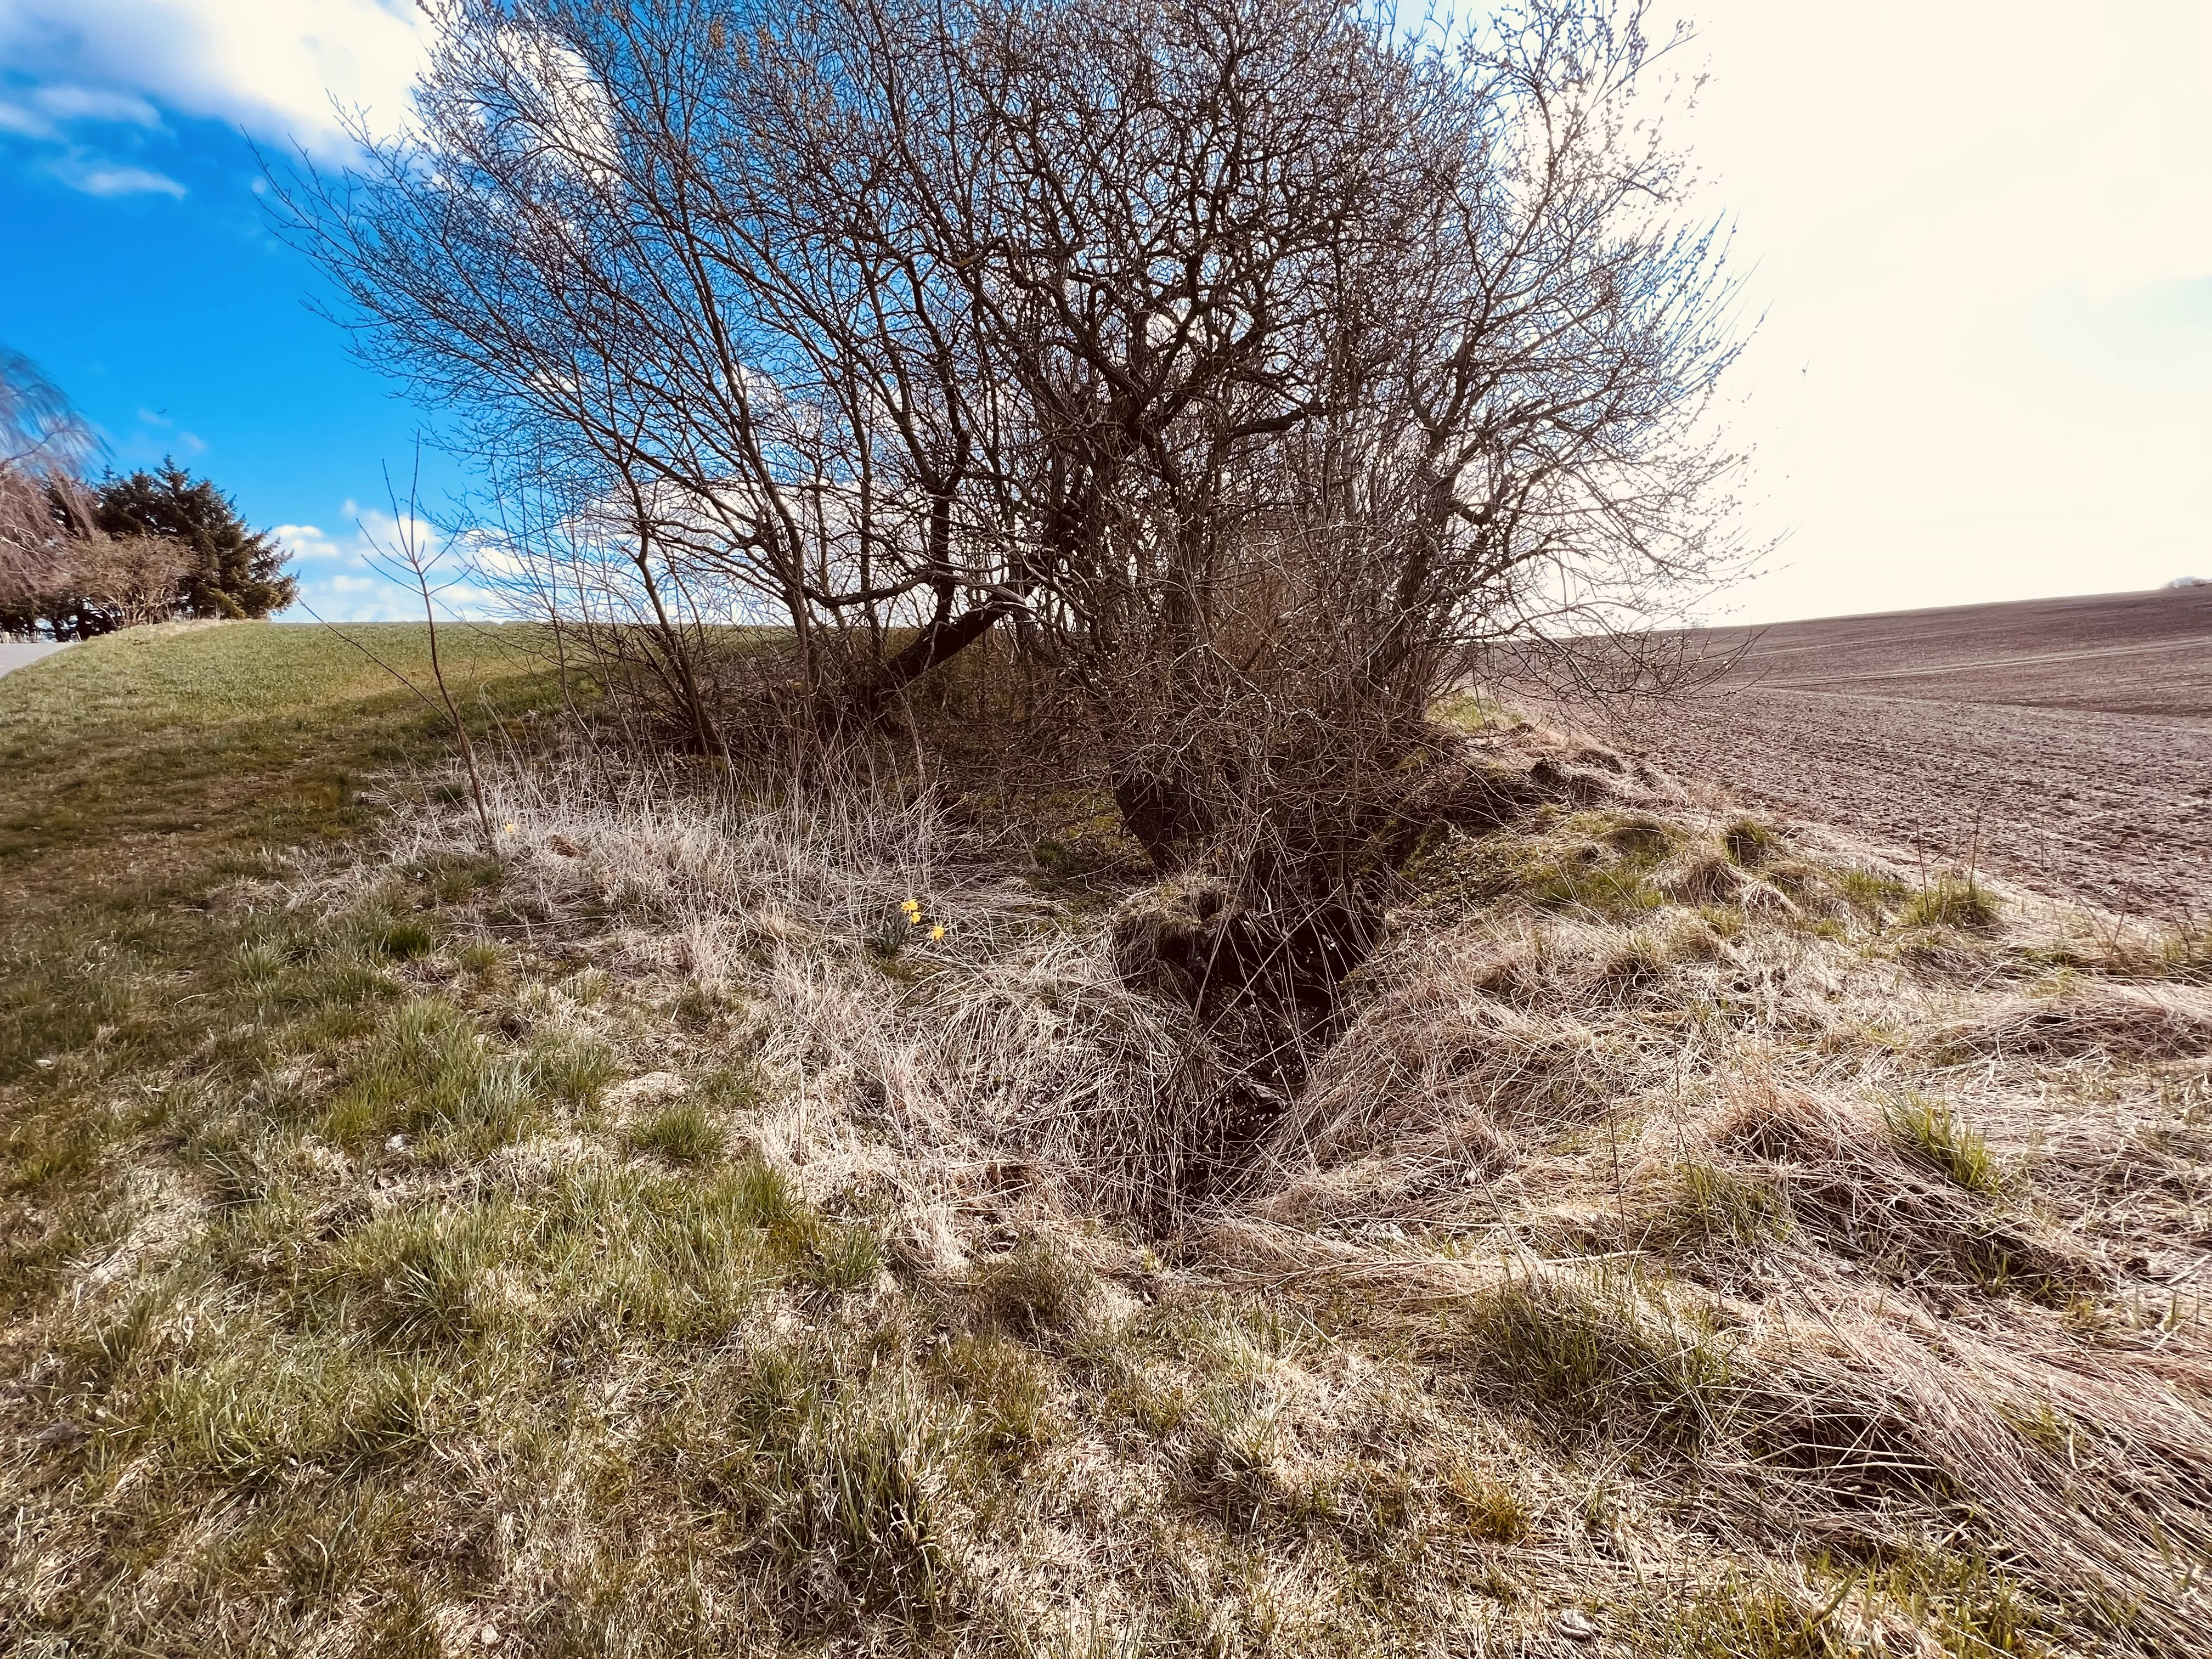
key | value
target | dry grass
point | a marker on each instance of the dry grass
(882, 957)
(1831, 1193)
(662, 1240)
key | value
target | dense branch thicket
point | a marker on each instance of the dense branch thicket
(1243, 364)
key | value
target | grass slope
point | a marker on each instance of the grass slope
(663, 1240)
(163, 752)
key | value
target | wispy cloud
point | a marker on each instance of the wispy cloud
(67, 121)
(103, 179)
(25, 122)
(96, 104)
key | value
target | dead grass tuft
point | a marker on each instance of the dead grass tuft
(1749, 842)
(2116, 1021)
(1904, 1194)
(1928, 1131)
(1033, 1290)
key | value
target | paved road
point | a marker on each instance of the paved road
(15, 656)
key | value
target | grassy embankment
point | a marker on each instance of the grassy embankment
(1698, 1242)
(152, 1017)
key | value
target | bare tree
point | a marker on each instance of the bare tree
(45, 446)
(1252, 362)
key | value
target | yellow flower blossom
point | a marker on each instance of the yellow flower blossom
(937, 931)
(507, 828)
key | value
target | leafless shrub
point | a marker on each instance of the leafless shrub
(411, 559)
(92, 583)
(44, 446)
(1253, 363)
(95, 584)
(132, 580)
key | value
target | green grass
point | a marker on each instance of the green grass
(1870, 892)
(167, 751)
(1002, 1383)
(1598, 1354)
(1928, 1132)
(1490, 1511)
(1473, 712)
(1598, 863)
(289, 1341)
(1608, 875)
(1032, 1292)
(1742, 1619)
(681, 1132)
(1709, 1206)
(1948, 903)
(848, 1487)
(2186, 952)
(1749, 842)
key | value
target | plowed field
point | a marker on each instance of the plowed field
(2074, 735)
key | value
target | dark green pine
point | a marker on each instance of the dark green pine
(238, 571)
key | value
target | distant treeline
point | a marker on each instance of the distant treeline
(80, 557)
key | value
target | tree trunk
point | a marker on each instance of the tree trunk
(938, 641)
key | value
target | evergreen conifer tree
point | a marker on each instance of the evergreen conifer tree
(236, 571)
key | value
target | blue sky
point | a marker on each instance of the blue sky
(1977, 237)
(143, 277)
(180, 326)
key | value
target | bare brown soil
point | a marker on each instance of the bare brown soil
(2067, 743)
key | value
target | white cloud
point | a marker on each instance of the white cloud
(340, 578)
(68, 103)
(306, 542)
(106, 179)
(26, 123)
(53, 115)
(273, 66)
